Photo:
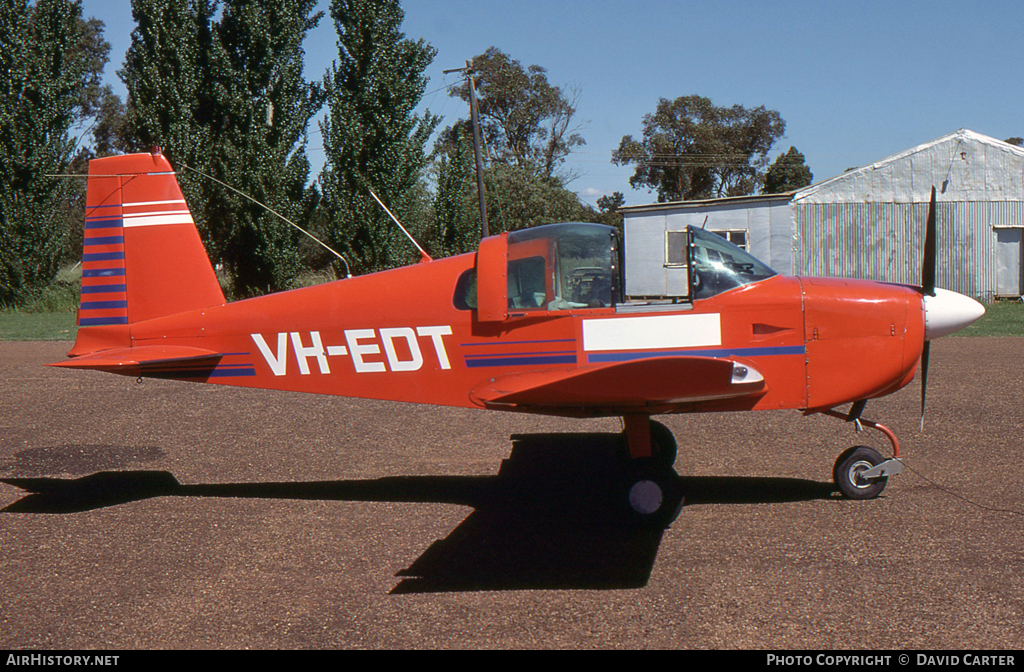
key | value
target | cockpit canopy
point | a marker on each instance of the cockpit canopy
(577, 265)
(552, 267)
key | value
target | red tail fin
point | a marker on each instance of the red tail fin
(142, 256)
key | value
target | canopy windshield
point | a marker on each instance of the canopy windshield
(719, 266)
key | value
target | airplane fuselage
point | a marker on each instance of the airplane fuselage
(399, 335)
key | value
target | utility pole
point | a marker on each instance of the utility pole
(475, 121)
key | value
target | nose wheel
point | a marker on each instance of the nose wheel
(862, 472)
(850, 469)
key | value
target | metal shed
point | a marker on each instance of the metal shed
(866, 223)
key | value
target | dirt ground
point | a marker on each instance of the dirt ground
(203, 516)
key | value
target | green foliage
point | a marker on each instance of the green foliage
(95, 51)
(60, 295)
(44, 312)
(111, 134)
(609, 208)
(692, 149)
(526, 124)
(611, 203)
(261, 144)
(50, 58)
(228, 98)
(524, 120)
(56, 297)
(517, 198)
(456, 214)
(373, 140)
(787, 173)
(169, 78)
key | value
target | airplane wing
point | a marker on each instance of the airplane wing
(643, 382)
(148, 358)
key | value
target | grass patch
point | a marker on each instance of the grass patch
(1002, 318)
(20, 326)
(44, 313)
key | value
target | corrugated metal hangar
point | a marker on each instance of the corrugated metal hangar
(866, 223)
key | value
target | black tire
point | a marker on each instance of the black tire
(650, 495)
(663, 444)
(848, 468)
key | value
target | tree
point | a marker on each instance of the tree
(373, 140)
(524, 120)
(170, 79)
(518, 198)
(692, 149)
(95, 51)
(111, 133)
(528, 130)
(609, 208)
(1015, 141)
(788, 173)
(456, 216)
(611, 203)
(266, 105)
(228, 98)
(49, 57)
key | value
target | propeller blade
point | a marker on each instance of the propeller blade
(924, 377)
(928, 264)
(928, 289)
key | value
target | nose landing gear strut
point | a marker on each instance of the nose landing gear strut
(861, 472)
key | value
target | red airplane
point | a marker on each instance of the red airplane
(533, 322)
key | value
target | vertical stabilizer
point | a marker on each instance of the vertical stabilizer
(142, 255)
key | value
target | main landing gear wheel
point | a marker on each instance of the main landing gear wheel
(848, 469)
(650, 494)
(663, 444)
(647, 488)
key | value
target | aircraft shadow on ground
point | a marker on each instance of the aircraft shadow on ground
(548, 519)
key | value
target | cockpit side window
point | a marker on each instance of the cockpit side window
(555, 267)
(581, 264)
(465, 291)
(526, 283)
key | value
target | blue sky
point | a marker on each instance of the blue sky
(854, 81)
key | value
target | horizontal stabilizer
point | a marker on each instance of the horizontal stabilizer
(141, 359)
(644, 382)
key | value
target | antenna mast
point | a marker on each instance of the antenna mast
(475, 120)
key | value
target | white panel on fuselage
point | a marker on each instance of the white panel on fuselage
(654, 332)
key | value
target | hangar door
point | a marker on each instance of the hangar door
(1010, 269)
